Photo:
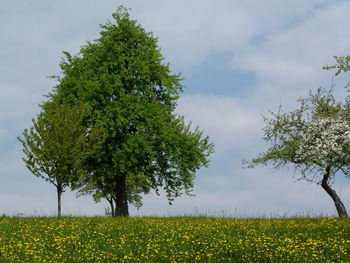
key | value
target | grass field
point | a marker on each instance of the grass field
(178, 239)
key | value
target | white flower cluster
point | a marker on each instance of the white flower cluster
(325, 140)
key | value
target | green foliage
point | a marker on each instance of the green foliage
(53, 144)
(128, 89)
(312, 137)
(342, 65)
(57, 143)
(315, 138)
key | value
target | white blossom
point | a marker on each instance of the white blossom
(325, 139)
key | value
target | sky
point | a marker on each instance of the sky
(239, 59)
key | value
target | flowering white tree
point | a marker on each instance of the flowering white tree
(325, 140)
(314, 138)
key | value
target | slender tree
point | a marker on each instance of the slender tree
(123, 79)
(314, 138)
(53, 145)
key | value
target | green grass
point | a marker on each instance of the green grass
(176, 239)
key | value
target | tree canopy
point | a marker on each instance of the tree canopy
(132, 94)
(52, 147)
(315, 138)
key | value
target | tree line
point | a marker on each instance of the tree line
(108, 128)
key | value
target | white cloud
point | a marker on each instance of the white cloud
(229, 122)
(17, 103)
(189, 30)
(4, 134)
(289, 63)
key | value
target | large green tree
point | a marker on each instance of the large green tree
(315, 138)
(53, 146)
(121, 76)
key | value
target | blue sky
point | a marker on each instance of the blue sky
(239, 59)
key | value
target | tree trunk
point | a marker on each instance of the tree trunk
(114, 200)
(333, 194)
(121, 208)
(110, 201)
(112, 208)
(59, 194)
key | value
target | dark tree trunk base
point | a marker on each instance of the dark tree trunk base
(110, 201)
(333, 194)
(59, 194)
(121, 208)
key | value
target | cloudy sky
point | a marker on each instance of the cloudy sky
(239, 60)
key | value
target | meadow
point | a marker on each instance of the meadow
(174, 239)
